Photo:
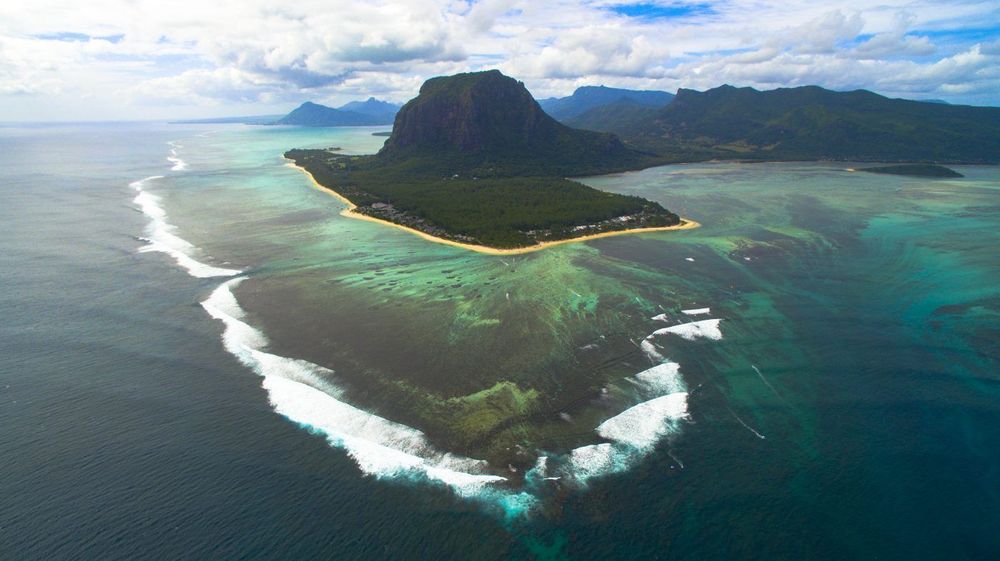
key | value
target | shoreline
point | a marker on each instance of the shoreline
(685, 224)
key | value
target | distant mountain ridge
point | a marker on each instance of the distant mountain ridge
(809, 123)
(587, 98)
(356, 113)
(373, 107)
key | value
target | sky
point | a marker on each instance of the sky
(152, 59)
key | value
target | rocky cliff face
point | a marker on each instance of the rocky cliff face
(471, 112)
(490, 116)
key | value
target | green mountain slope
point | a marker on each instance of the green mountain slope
(623, 114)
(814, 123)
(487, 124)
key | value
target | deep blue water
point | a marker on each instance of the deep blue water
(130, 433)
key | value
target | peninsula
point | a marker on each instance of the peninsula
(915, 170)
(474, 161)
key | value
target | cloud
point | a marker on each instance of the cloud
(146, 53)
(211, 87)
(603, 50)
(895, 42)
(822, 35)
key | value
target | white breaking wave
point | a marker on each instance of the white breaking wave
(707, 328)
(643, 425)
(662, 379)
(691, 312)
(598, 460)
(302, 392)
(380, 447)
(160, 235)
(697, 311)
(652, 353)
(634, 432)
(179, 164)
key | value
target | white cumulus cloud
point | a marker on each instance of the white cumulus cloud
(150, 58)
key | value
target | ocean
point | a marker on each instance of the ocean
(200, 358)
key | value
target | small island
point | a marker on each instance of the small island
(474, 161)
(915, 170)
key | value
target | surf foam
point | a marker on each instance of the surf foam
(160, 235)
(643, 425)
(651, 351)
(179, 164)
(706, 328)
(598, 460)
(697, 311)
(662, 379)
(634, 434)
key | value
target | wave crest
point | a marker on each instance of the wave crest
(160, 235)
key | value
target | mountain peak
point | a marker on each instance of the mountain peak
(382, 111)
(481, 118)
(475, 111)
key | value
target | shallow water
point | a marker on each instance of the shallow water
(848, 410)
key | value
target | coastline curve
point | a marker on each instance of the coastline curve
(349, 211)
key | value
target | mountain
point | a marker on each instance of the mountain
(314, 115)
(809, 123)
(474, 159)
(622, 114)
(587, 98)
(486, 121)
(381, 110)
